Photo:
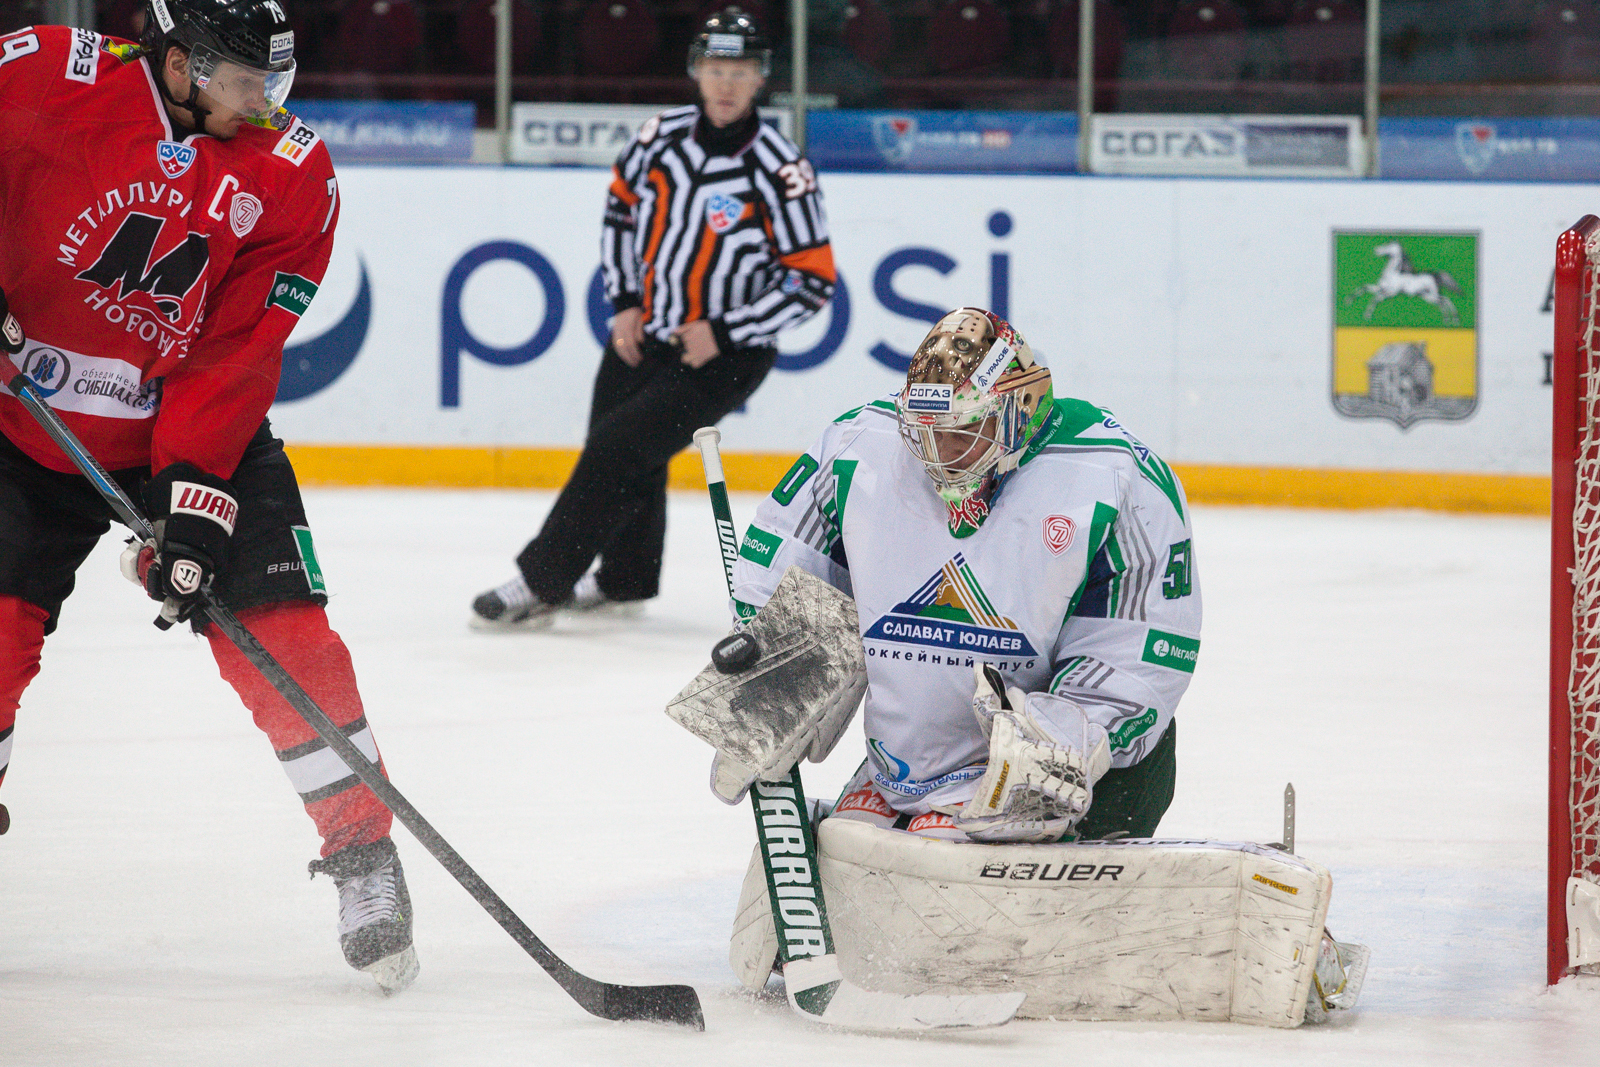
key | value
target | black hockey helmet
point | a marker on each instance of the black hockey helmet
(731, 34)
(240, 51)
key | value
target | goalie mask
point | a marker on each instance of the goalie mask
(975, 397)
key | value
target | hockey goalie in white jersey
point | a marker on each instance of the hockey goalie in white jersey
(976, 518)
(1024, 580)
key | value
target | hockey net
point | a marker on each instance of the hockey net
(1574, 912)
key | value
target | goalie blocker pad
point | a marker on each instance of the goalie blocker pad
(797, 698)
(1122, 930)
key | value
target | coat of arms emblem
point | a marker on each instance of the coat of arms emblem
(1405, 334)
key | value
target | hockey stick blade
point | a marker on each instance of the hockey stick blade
(672, 1004)
(817, 989)
(677, 1004)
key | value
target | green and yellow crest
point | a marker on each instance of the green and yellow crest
(1405, 325)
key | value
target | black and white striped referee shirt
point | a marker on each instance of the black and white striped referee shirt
(739, 240)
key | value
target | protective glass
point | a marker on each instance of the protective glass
(247, 90)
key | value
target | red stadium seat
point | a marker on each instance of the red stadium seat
(617, 37)
(1269, 14)
(1205, 17)
(867, 32)
(968, 36)
(379, 36)
(476, 29)
(1325, 40)
(1565, 40)
(1206, 40)
(1110, 40)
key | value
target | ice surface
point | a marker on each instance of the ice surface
(156, 908)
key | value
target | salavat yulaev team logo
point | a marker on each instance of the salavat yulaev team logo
(1405, 325)
(950, 611)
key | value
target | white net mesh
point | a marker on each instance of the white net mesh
(1584, 685)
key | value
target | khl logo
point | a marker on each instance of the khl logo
(723, 212)
(174, 158)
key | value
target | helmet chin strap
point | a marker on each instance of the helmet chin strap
(191, 105)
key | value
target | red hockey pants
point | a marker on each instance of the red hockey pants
(298, 636)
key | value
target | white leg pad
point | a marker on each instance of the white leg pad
(754, 947)
(1194, 930)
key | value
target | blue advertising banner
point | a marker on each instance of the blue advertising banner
(988, 142)
(384, 131)
(1562, 150)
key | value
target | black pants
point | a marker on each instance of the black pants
(615, 504)
(51, 521)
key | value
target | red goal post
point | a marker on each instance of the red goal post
(1574, 839)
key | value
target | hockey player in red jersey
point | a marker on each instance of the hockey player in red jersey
(163, 224)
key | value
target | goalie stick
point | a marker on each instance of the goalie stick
(664, 1003)
(812, 980)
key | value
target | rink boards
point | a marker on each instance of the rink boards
(1223, 321)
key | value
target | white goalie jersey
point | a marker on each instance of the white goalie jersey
(1081, 582)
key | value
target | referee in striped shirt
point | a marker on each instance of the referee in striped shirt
(714, 240)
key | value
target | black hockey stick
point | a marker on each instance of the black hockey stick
(662, 1003)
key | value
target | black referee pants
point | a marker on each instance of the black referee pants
(615, 504)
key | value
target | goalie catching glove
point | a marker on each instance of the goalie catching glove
(795, 699)
(193, 514)
(1044, 758)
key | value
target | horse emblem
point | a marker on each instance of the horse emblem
(1400, 278)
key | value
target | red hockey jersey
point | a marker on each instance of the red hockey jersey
(155, 272)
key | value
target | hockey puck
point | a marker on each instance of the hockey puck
(735, 653)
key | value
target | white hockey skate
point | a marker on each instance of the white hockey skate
(374, 912)
(513, 606)
(587, 599)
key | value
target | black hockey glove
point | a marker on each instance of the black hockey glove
(11, 338)
(193, 514)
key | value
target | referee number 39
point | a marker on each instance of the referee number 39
(799, 179)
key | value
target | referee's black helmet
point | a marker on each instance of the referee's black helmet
(731, 34)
